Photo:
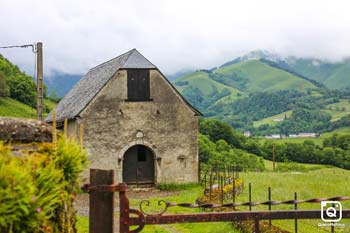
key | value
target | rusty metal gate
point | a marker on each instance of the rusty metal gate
(102, 189)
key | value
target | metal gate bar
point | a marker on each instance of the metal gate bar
(102, 191)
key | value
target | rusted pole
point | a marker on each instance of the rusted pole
(250, 196)
(296, 208)
(256, 225)
(124, 210)
(101, 203)
(269, 197)
(332, 226)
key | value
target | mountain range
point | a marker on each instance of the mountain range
(250, 90)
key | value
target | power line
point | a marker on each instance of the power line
(20, 46)
(37, 49)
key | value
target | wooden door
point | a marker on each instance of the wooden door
(138, 165)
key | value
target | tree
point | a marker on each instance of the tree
(4, 89)
(217, 130)
(23, 89)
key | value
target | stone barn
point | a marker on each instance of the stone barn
(134, 122)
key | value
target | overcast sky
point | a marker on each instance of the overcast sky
(174, 35)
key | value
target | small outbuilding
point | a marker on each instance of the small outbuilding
(135, 122)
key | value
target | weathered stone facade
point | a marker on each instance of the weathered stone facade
(166, 125)
(130, 110)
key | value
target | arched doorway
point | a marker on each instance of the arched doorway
(138, 165)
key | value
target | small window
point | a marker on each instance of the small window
(138, 85)
(141, 155)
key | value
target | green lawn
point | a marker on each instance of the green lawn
(321, 182)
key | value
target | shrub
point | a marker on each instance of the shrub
(37, 188)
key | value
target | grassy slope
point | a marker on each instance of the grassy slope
(333, 75)
(262, 77)
(202, 81)
(338, 110)
(339, 78)
(259, 77)
(13, 108)
(269, 120)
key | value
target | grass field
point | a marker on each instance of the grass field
(13, 108)
(325, 182)
(320, 181)
(270, 120)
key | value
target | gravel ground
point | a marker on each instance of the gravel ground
(82, 201)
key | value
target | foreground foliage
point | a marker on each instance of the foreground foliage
(37, 188)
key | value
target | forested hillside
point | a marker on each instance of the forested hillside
(18, 92)
(256, 91)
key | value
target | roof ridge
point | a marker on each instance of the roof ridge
(102, 64)
(135, 51)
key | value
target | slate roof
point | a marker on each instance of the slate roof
(88, 87)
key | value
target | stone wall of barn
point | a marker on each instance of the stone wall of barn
(166, 125)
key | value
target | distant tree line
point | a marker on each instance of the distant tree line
(218, 141)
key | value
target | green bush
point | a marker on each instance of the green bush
(37, 189)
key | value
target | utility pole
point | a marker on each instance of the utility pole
(38, 49)
(40, 90)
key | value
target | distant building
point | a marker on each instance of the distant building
(308, 135)
(278, 119)
(273, 136)
(247, 134)
(293, 135)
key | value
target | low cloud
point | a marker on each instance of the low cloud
(174, 35)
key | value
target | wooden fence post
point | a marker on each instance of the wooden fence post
(296, 208)
(101, 203)
(269, 197)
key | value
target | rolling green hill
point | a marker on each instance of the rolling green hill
(207, 89)
(334, 75)
(258, 76)
(251, 91)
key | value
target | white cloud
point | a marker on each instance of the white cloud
(174, 35)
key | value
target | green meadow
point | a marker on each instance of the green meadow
(317, 181)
